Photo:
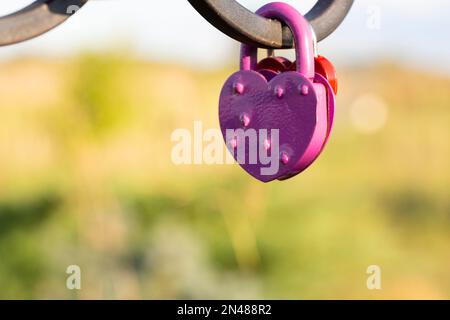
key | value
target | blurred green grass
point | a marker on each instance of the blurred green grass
(86, 178)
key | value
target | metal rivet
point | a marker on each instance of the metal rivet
(267, 144)
(304, 90)
(238, 88)
(233, 143)
(245, 119)
(284, 158)
(279, 91)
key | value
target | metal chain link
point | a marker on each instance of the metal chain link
(243, 25)
(36, 19)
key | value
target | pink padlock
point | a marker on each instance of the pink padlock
(297, 105)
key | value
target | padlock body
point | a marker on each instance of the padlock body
(320, 133)
(291, 104)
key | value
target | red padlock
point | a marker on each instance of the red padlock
(277, 64)
(325, 68)
(270, 67)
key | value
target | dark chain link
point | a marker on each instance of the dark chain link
(36, 19)
(243, 25)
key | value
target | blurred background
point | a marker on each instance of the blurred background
(86, 176)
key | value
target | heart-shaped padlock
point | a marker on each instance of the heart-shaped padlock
(275, 129)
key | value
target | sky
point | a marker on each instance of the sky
(412, 32)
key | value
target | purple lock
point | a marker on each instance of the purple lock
(291, 115)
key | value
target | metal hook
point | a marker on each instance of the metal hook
(36, 19)
(243, 25)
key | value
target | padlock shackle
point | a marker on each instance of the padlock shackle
(301, 30)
